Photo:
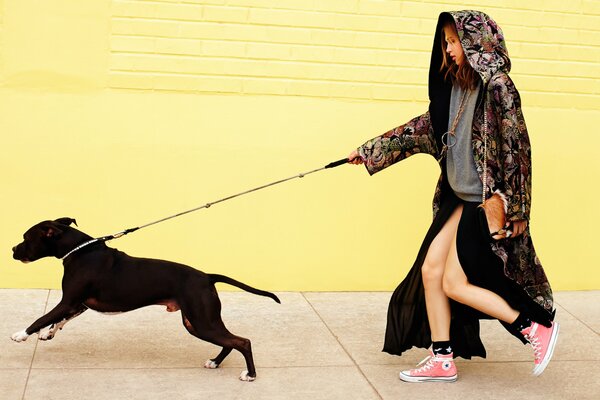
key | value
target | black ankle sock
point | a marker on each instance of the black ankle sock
(443, 348)
(522, 322)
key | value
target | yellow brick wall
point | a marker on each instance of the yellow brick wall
(119, 112)
(351, 49)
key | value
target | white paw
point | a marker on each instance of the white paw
(210, 364)
(245, 377)
(47, 335)
(20, 336)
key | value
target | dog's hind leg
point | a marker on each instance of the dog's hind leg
(215, 362)
(202, 318)
(220, 337)
(212, 363)
(227, 340)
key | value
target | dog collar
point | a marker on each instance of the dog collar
(79, 247)
(100, 239)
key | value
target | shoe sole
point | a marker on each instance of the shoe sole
(538, 369)
(418, 379)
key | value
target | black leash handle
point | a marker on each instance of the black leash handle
(337, 163)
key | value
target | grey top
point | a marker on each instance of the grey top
(462, 174)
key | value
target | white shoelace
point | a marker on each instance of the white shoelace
(429, 365)
(534, 340)
(430, 362)
(537, 346)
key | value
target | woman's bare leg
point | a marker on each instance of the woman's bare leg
(436, 301)
(456, 286)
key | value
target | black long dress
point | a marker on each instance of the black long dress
(407, 323)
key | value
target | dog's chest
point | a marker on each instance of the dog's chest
(110, 308)
(104, 308)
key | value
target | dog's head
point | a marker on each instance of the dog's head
(42, 240)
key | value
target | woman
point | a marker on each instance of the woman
(468, 268)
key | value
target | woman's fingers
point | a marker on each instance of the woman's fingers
(519, 227)
(354, 158)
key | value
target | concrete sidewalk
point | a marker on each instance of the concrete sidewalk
(312, 346)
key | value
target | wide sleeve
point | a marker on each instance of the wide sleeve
(515, 148)
(416, 136)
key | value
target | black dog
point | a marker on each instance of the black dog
(108, 280)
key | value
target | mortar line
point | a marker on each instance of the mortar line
(34, 351)
(343, 347)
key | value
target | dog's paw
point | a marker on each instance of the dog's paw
(47, 335)
(20, 336)
(245, 376)
(210, 364)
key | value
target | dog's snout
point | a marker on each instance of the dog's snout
(14, 248)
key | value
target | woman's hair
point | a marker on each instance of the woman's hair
(463, 74)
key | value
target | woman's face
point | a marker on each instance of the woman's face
(453, 46)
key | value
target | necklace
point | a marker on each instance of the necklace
(450, 135)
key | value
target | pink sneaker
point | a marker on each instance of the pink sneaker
(440, 368)
(542, 340)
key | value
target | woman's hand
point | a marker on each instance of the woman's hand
(355, 158)
(518, 227)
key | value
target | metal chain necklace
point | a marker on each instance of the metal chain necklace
(451, 133)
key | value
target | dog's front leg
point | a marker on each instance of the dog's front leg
(49, 334)
(62, 311)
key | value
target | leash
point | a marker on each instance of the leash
(207, 205)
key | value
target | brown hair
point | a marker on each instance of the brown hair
(463, 74)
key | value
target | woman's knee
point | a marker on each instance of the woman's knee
(453, 288)
(432, 273)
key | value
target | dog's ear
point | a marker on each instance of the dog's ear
(66, 221)
(50, 230)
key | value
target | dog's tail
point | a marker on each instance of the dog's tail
(214, 278)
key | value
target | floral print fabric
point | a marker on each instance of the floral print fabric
(499, 128)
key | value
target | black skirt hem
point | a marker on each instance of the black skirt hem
(407, 323)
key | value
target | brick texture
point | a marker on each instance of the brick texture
(349, 49)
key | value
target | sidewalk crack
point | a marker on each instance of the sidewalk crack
(343, 347)
(34, 350)
(577, 318)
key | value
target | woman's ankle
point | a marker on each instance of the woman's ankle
(442, 348)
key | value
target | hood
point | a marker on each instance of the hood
(485, 50)
(482, 41)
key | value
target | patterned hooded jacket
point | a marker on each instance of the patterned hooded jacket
(498, 126)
